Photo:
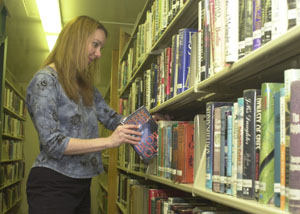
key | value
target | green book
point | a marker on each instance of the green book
(266, 162)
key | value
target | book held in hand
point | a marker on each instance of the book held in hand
(147, 147)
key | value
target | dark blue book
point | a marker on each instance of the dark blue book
(147, 147)
(225, 112)
(185, 46)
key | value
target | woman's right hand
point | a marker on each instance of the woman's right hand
(125, 134)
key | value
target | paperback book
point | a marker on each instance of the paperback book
(147, 147)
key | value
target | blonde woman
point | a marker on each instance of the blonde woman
(65, 108)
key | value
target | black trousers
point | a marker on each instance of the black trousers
(49, 192)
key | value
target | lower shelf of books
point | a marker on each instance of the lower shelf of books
(243, 205)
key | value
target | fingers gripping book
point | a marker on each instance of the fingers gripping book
(147, 147)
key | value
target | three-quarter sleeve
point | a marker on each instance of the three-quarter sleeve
(41, 102)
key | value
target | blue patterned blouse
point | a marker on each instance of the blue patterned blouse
(57, 119)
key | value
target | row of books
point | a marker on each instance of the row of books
(230, 30)
(251, 144)
(158, 17)
(138, 196)
(12, 126)
(11, 150)
(9, 197)
(13, 101)
(11, 172)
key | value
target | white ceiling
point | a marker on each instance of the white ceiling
(27, 46)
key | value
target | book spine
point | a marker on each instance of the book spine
(292, 13)
(266, 175)
(289, 76)
(209, 145)
(173, 67)
(225, 112)
(217, 146)
(234, 148)
(231, 31)
(240, 155)
(282, 150)
(185, 36)
(248, 26)
(180, 155)
(250, 96)
(219, 36)
(267, 21)
(229, 155)
(257, 144)
(207, 40)
(174, 151)
(241, 28)
(256, 24)
(188, 154)
(277, 164)
(294, 200)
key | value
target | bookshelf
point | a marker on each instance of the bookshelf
(12, 136)
(266, 63)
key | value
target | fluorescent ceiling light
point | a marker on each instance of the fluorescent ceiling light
(51, 39)
(50, 16)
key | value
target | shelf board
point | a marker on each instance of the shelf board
(11, 111)
(238, 203)
(10, 184)
(250, 206)
(121, 207)
(13, 136)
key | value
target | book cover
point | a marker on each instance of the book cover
(147, 147)
(277, 164)
(266, 175)
(185, 38)
(249, 144)
(294, 173)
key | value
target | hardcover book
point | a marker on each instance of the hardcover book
(289, 76)
(185, 38)
(249, 146)
(277, 163)
(147, 147)
(266, 176)
(294, 185)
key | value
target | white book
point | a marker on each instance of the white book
(219, 36)
(279, 18)
(231, 31)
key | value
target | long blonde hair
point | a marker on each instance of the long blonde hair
(70, 58)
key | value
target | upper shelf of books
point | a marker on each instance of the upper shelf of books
(265, 63)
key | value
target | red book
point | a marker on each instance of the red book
(185, 169)
(154, 193)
